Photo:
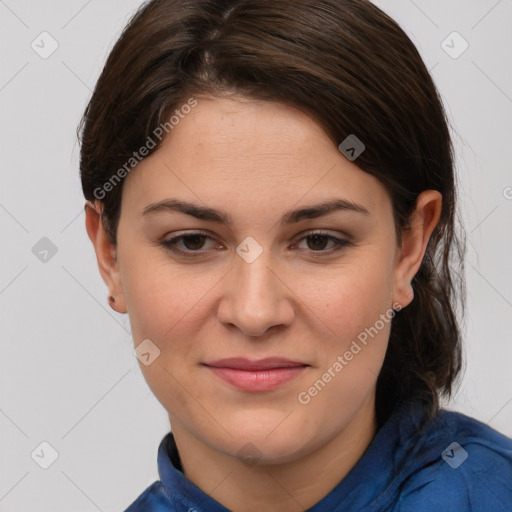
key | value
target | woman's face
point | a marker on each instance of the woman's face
(252, 282)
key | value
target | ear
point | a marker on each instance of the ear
(414, 244)
(106, 254)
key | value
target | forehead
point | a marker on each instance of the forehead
(250, 153)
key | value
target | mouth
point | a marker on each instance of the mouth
(256, 375)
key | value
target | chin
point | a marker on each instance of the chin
(255, 444)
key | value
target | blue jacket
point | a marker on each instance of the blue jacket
(456, 464)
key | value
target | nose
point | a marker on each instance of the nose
(256, 297)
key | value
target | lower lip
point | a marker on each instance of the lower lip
(257, 380)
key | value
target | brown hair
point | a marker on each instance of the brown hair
(346, 64)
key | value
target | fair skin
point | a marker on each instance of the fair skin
(300, 299)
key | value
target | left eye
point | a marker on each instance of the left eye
(193, 243)
(321, 239)
(190, 241)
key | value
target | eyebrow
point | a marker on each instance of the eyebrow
(290, 217)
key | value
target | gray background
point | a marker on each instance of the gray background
(67, 371)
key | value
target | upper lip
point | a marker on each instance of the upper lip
(241, 363)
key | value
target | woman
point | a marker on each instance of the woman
(271, 197)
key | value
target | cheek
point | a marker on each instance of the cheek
(159, 296)
(349, 360)
(355, 299)
(164, 306)
(357, 309)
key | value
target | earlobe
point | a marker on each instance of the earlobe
(424, 219)
(106, 254)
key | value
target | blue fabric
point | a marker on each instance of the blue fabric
(401, 471)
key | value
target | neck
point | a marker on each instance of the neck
(290, 487)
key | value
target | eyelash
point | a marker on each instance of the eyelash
(170, 244)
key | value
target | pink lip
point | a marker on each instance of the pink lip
(257, 375)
